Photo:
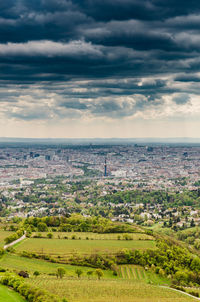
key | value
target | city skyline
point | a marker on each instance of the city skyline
(89, 69)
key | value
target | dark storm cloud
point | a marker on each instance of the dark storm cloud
(137, 9)
(187, 78)
(98, 50)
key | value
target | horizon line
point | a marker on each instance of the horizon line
(99, 138)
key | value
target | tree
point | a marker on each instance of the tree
(36, 273)
(195, 264)
(79, 272)
(42, 227)
(192, 224)
(181, 276)
(99, 273)
(89, 273)
(197, 244)
(60, 272)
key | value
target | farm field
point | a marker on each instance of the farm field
(108, 290)
(8, 295)
(138, 273)
(97, 236)
(66, 247)
(133, 287)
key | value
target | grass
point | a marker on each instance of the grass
(96, 236)
(8, 295)
(66, 247)
(133, 288)
(108, 290)
(17, 263)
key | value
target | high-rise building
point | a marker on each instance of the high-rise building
(47, 157)
(105, 168)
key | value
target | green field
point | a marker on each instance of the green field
(17, 263)
(8, 295)
(89, 235)
(109, 290)
(133, 283)
(65, 247)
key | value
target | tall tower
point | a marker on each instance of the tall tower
(105, 168)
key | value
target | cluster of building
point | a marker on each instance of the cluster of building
(158, 166)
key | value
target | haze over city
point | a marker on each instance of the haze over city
(123, 68)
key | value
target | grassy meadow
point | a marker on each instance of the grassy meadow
(17, 263)
(127, 272)
(8, 295)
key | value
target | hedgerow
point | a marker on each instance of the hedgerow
(29, 292)
(13, 237)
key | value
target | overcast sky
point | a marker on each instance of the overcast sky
(99, 68)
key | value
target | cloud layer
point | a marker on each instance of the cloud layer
(98, 61)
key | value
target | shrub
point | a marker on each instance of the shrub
(60, 272)
(89, 273)
(36, 273)
(42, 227)
(99, 273)
(194, 293)
(2, 252)
(10, 249)
(79, 272)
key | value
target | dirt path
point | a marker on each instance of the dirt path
(14, 242)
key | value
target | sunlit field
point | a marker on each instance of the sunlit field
(8, 295)
(108, 290)
(68, 246)
(17, 263)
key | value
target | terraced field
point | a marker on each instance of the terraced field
(138, 273)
